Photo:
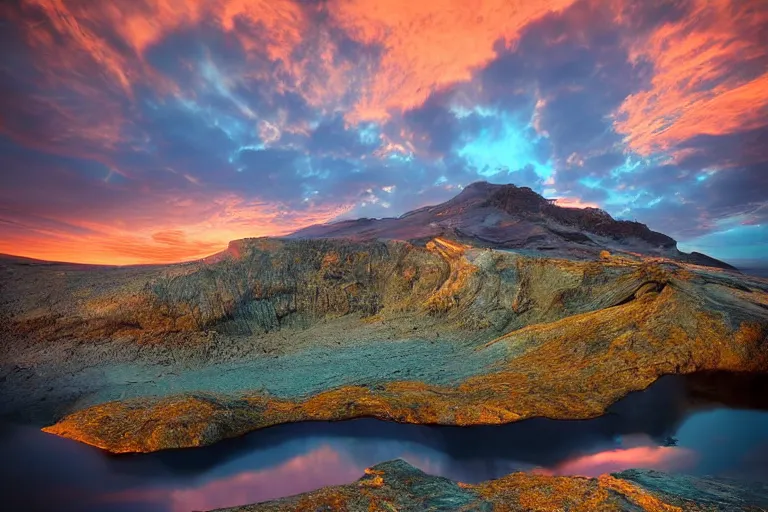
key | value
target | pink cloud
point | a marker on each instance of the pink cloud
(574, 202)
(697, 87)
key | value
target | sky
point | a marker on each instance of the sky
(150, 131)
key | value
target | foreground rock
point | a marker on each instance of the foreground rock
(631, 324)
(396, 485)
(425, 331)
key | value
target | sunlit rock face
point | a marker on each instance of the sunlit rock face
(552, 338)
(432, 331)
(396, 485)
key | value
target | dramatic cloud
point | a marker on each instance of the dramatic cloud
(429, 45)
(709, 77)
(158, 130)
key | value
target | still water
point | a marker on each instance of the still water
(714, 425)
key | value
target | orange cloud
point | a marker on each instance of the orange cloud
(95, 51)
(77, 30)
(663, 458)
(698, 86)
(426, 45)
(429, 44)
(574, 202)
(195, 232)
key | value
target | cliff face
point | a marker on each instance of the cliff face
(427, 319)
(526, 203)
(289, 330)
(264, 285)
(396, 485)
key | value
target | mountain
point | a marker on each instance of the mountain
(511, 217)
(428, 318)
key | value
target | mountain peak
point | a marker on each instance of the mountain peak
(482, 187)
(505, 216)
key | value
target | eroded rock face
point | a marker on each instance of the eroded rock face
(553, 338)
(396, 485)
(270, 284)
(426, 318)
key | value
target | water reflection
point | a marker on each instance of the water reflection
(672, 426)
(321, 466)
(649, 456)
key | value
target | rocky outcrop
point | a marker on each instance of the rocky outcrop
(431, 330)
(396, 485)
(524, 202)
(558, 339)
(269, 284)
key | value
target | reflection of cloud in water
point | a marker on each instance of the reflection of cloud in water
(343, 460)
(327, 465)
(320, 467)
(637, 452)
(337, 461)
(51, 473)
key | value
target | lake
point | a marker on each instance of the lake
(714, 424)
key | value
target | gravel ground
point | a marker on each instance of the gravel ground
(42, 393)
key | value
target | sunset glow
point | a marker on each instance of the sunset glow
(158, 130)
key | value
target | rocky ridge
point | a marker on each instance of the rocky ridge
(510, 217)
(437, 331)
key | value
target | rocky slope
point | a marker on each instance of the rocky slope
(281, 330)
(330, 329)
(510, 217)
(396, 485)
